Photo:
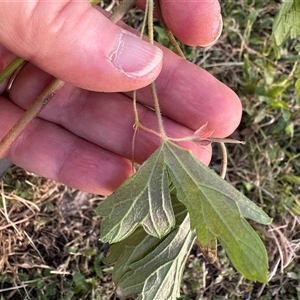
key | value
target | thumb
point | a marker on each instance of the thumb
(76, 43)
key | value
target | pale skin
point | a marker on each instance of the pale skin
(83, 138)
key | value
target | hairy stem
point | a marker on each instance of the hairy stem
(169, 33)
(136, 115)
(178, 50)
(173, 41)
(157, 111)
(153, 89)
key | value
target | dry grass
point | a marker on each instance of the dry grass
(53, 229)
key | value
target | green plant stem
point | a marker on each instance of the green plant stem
(150, 21)
(169, 33)
(178, 50)
(173, 40)
(134, 97)
(157, 111)
(149, 16)
(153, 89)
(8, 71)
(48, 93)
(144, 24)
(137, 123)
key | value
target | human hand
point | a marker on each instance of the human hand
(84, 138)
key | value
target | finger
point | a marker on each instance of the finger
(188, 95)
(76, 43)
(195, 23)
(104, 119)
(192, 97)
(53, 152)
(5, 57)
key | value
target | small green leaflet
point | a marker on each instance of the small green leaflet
(287, 22)
(216, 210)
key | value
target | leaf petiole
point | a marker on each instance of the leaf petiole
(13, 66)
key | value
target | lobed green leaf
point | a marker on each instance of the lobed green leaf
(217, 210)
(287, 22)
(144, 199)
(195, 174)
(152, 267)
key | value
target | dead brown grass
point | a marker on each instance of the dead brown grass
(52, 228)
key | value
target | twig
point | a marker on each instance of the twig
(29, 115)
(153, 88)
(169, 33)
(223, 168)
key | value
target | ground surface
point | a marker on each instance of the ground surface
(49, 245)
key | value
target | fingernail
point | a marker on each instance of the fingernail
(134, 56)
(218, 33)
